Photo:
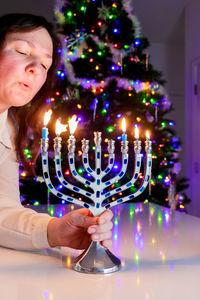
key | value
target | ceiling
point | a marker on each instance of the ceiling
(161, 21)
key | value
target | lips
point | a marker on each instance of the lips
(24, 85)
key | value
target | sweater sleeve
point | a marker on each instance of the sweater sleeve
(20, 227)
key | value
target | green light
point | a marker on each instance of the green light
(69, 14)
(29, 156)
(133, 188)
(93, 148)
(83, 56)
(51, 212)
(160, 218)
(137, 258)
(146, 201)
(144, 100)
(116, 221)
(99, 53)
(163, 124)
(152, 101)
(110, 129)
(80, 170)
(26, 151)
(160, 177)
(126, 47)
(36, 203)
(83, 8)
(111, 17)
(104, 111)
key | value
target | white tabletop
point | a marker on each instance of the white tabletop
(159, 250)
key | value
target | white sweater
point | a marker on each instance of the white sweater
(20, 227)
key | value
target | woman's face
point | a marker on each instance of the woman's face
(25, 59)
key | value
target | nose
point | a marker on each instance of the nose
(33, 68)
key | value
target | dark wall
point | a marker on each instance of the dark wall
(39, 7)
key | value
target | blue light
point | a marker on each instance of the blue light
(119, 137)
(114, 68)
(171, 123)
(119, 115)
(60, 187)
(80, 119)
(63, 201)
(116, 30)
(137, 42)
(106, 104)
(116, 166)
(137, 82)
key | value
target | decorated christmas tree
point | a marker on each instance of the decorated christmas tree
(106, 75)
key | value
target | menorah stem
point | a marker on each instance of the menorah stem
(97, 259)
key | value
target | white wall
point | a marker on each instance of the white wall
(192, 42)
(169, 59)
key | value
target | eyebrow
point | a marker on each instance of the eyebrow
(32, 45)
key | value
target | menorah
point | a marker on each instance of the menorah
(96, 259)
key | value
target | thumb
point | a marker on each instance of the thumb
(84, 221)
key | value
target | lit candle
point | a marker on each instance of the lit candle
(124, 135)
(147, 135)
(57, 141)
(60, 127)
(47, 117)
(136, 133)
(72, 125)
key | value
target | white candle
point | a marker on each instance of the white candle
(60, 127)
(124, 135)
(47, 117)
(136, 133)
(72, 125)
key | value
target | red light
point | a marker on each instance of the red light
(67, 172)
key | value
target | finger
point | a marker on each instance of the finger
(84, 211)
(98, 237)
(100, 228)
(83, 221)
(106, 216)
(107, 244)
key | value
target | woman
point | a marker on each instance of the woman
(28, 58)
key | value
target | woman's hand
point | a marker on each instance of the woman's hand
(77, 228)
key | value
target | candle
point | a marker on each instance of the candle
(60, 127)
(47, 117)
(124, 135)
(147, 135)
(136, 133)
(148, 143)
(72, 125)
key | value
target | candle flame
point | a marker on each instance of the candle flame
(47, 117)
(147, 135)
(60, 127)
(136, 132)
(73, 124)
(124, 125)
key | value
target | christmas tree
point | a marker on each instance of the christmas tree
(106, 75)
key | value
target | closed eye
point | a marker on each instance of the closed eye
(44, 66)
(21, 52)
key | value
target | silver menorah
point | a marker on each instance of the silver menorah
(96, 259)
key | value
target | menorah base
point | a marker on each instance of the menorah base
(96, 259)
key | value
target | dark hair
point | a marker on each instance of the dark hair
(28, 117)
